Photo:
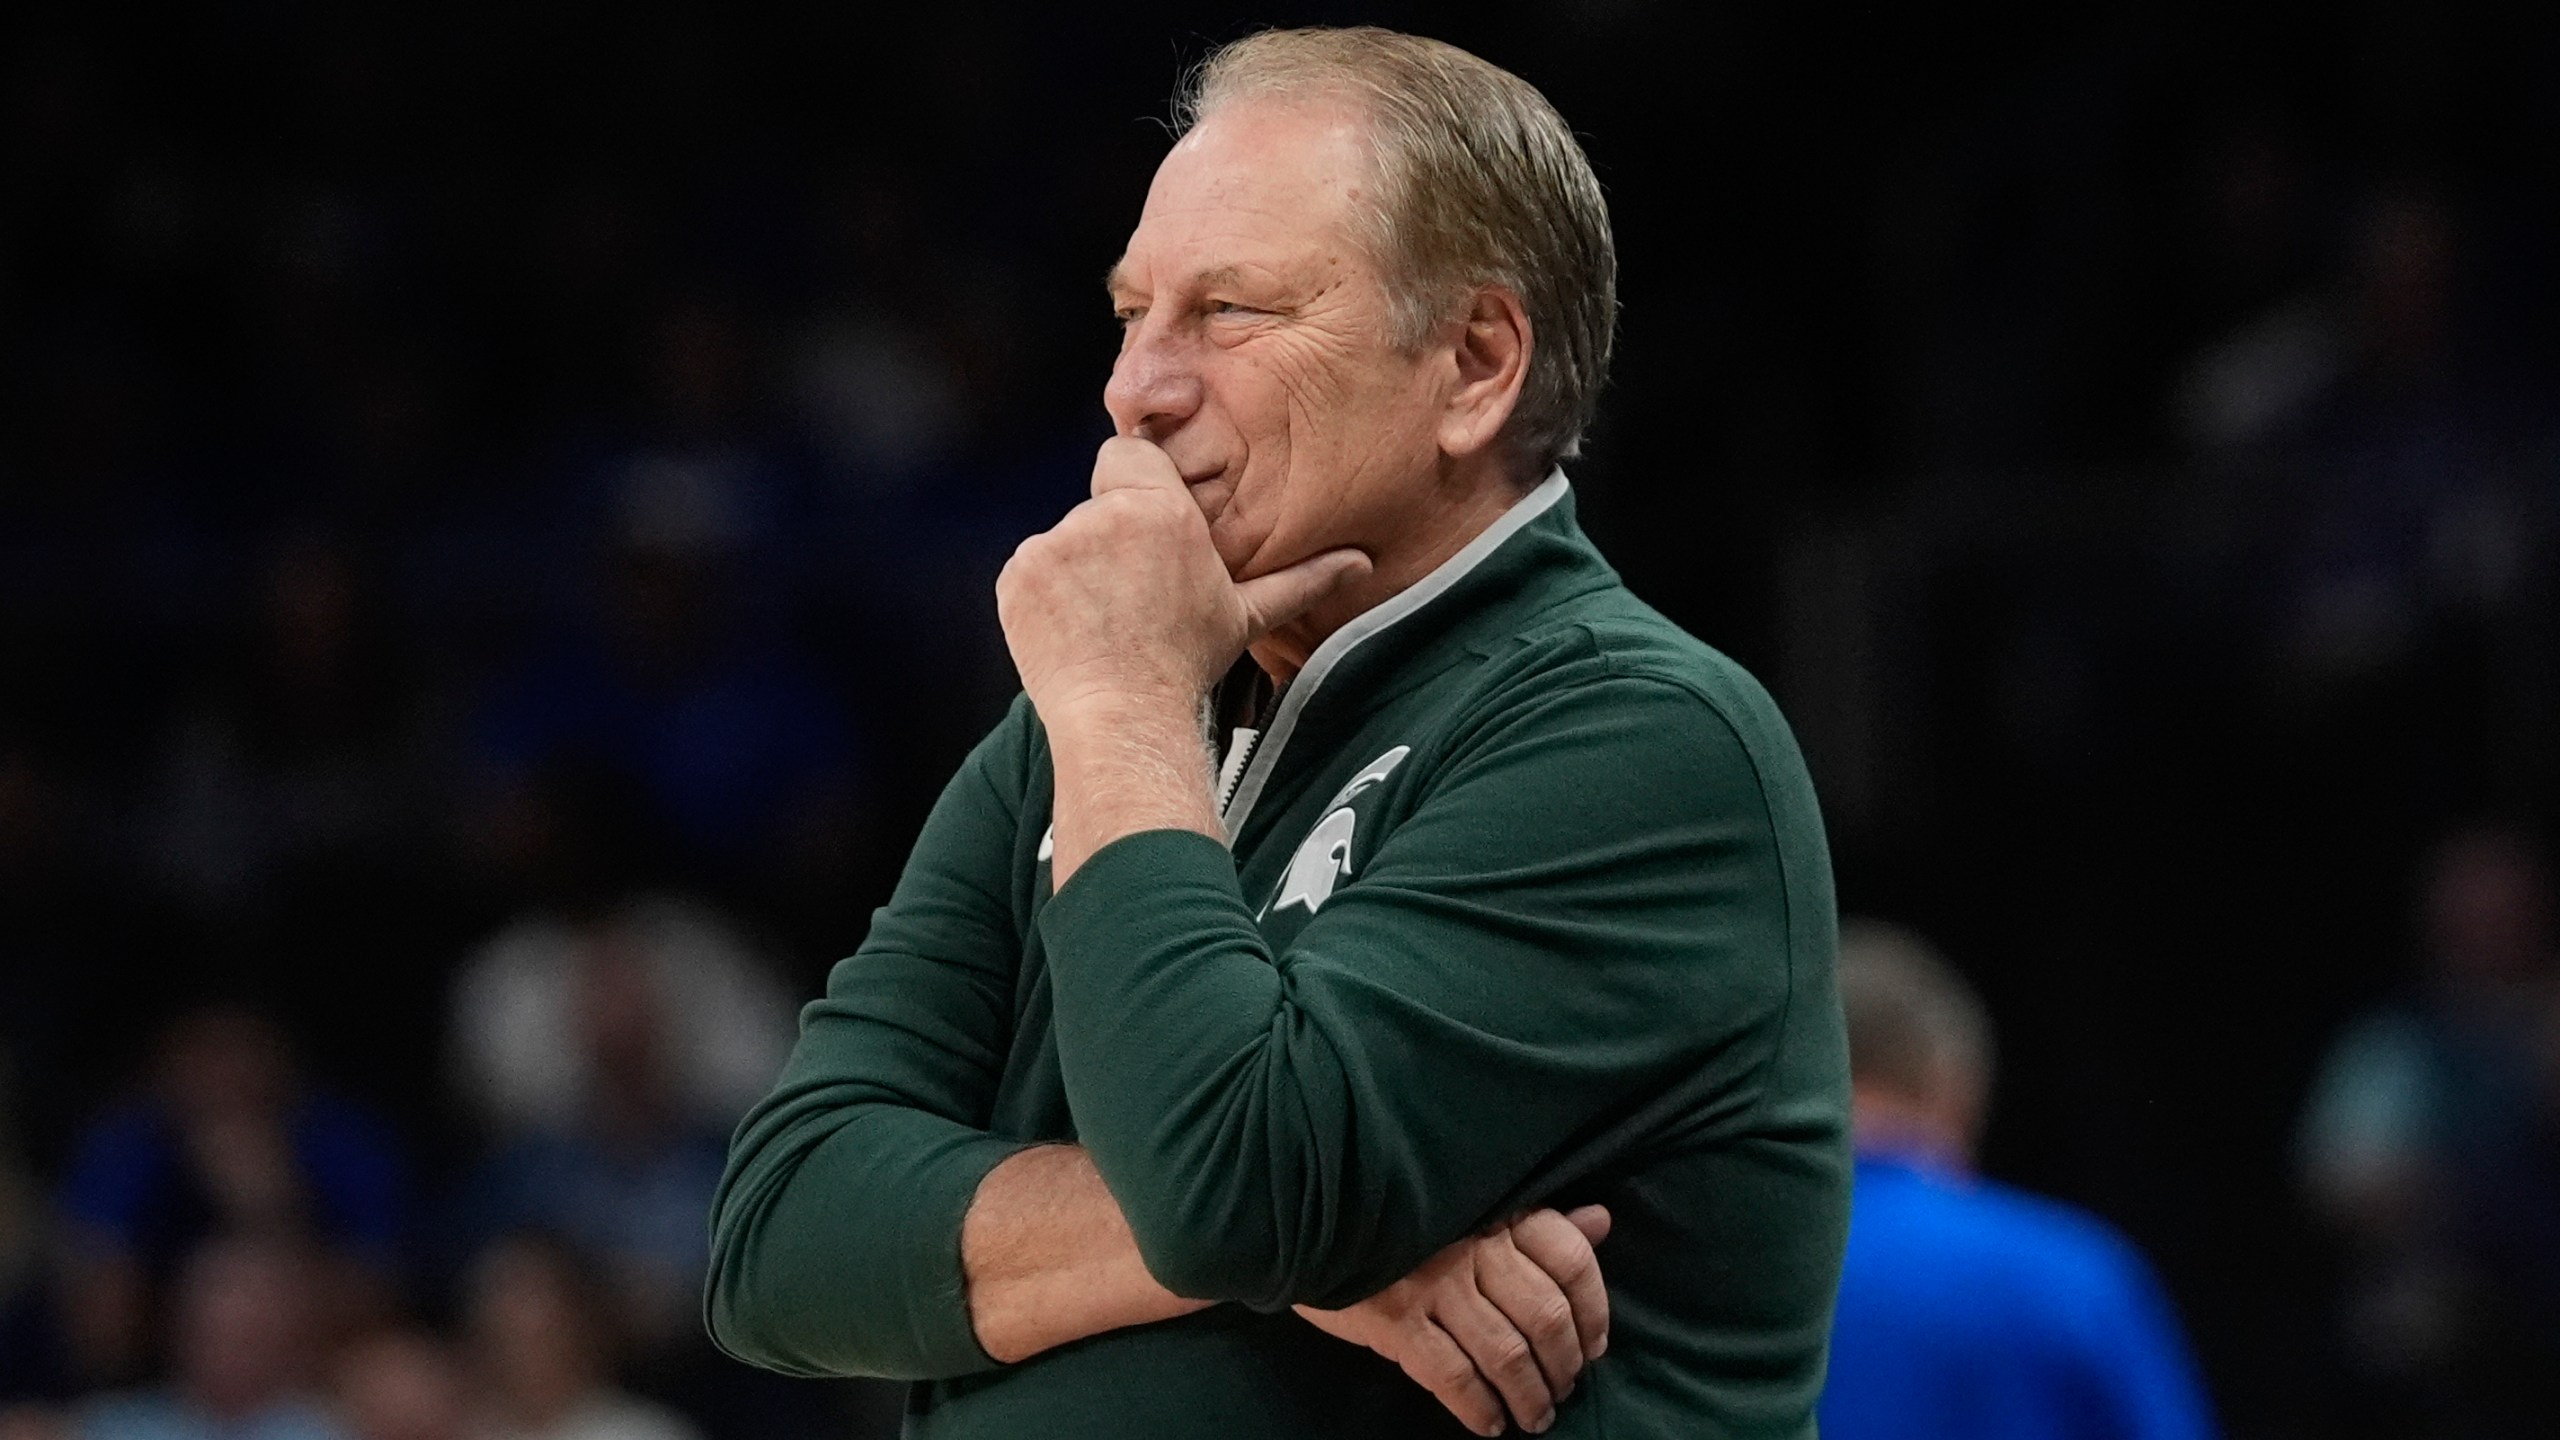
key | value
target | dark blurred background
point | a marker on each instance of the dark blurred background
(498, 507)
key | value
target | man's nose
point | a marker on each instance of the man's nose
(1155, 384)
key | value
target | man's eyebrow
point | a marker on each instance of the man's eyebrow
(1115, 281)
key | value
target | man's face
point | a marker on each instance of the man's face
(1257, 344)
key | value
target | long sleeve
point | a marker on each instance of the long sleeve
(836, 1232)
(1583, 912)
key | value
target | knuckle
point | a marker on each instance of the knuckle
(1557, 1254)
(1557, 1233)
(1441, 1373)
(1552, 1316)
(1536, 1227)
(1509, 1354)
(1539, 1252)
(1124, 507)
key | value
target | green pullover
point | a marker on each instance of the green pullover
(1525, 902)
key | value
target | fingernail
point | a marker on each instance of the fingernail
(1567, 1392)
(1491, 1429)
(1539, 1425)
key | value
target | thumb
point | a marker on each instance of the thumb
(1592, 1221)
(1273, 600)
(1130, 462)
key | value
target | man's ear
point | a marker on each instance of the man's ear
(1492, 355)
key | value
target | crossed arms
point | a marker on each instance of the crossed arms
(1500, 1321)
(1277, 1129)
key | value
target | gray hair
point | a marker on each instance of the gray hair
(1484, 185)
(1915, 1027)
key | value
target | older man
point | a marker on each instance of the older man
(1506, 894)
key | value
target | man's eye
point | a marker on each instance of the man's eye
(1229, 307)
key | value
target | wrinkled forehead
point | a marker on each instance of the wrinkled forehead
(1260, 182)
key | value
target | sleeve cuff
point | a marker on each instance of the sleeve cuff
(936, 1276)
(1160, 865)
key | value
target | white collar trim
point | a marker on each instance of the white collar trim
(1370, 622)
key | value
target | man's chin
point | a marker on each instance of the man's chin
(1241, 554)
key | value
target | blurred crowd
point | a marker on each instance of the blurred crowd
(497, 512)
(474, 627)
(2427, 1152)
(236, 1248)
(2431, 1146)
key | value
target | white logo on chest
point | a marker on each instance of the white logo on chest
(1324, 857)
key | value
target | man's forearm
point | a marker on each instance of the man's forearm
(1126, 763)
(1050, 1259)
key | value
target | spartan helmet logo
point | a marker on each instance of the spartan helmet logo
(1324, 857)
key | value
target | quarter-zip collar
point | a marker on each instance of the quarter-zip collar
(1532, 557)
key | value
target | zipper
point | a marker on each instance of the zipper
(1231, 770)
(1242, 740)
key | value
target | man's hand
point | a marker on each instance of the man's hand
(1126, 599)
(1120, 619)
(1503, 1319)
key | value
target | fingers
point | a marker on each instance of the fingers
(1126, 462)
(1536, 1306)
(1561, 1247)
(1434, 1362)
(1591, 1220)
(1502, 1356)
(1273, 600)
